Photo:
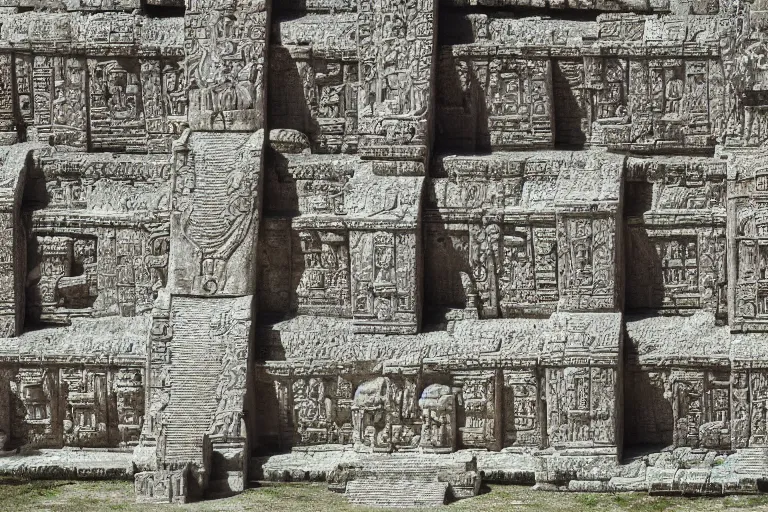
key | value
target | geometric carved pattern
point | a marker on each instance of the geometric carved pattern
(389, 230)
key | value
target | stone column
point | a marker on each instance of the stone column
(8, 118)
(588, 207)
(201, 334)
(747, 250)
(397, 48)
(225, 46)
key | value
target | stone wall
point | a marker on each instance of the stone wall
(532, 231)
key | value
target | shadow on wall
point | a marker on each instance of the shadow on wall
(268, 438)
(287, 94)
(571, 117)
(648, 415)
(446, 271)
(461, 121)
(645, 272)
(163, 8)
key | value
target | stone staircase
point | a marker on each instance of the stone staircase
(752, 462)
(410, 467)
(413, 480)
(194, 376)
(396, 493)
(215, 157)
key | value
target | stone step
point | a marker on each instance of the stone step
(752, 461)
(417, 464)
(194, 376)
(396, 493)
(405, 466)
(422, 477)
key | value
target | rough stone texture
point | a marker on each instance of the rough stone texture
(70, 463)
(396, 245)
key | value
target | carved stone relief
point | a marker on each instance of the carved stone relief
(436, 240)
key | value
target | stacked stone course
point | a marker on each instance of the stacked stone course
(396, 245)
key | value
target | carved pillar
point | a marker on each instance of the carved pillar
(747, 241)
(583, 391)
(582, 368)
(199, 351)
(8, 117)
(60, 115)
(739, 405)
(480, 426)
(522, 408)
(397, 61)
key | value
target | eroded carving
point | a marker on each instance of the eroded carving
(421, 240)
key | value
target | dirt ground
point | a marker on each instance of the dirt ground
(43, 495)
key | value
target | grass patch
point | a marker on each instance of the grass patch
(736, 502)
(66, 496)
(16, 494)
(588, 500)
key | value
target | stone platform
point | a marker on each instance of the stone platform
(680, 471)
(376, 479)
(69, 463)
(411, 244)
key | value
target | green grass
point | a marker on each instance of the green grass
(588, 500)
(745, 502)
(65, 496)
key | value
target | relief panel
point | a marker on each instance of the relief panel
(117, 119)
(587, 263)
(60, 100)
(522, 409)
(383, 269)
(225, 55)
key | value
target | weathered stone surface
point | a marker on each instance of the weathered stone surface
(396, 245)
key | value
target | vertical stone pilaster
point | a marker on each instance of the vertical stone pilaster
(397, 48)
(225, 47)
(200, 339)
(6, 375)
(397, 45)
(8, 116)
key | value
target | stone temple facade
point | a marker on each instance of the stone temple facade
(402, 246)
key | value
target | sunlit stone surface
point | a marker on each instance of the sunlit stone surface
(401, 246)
